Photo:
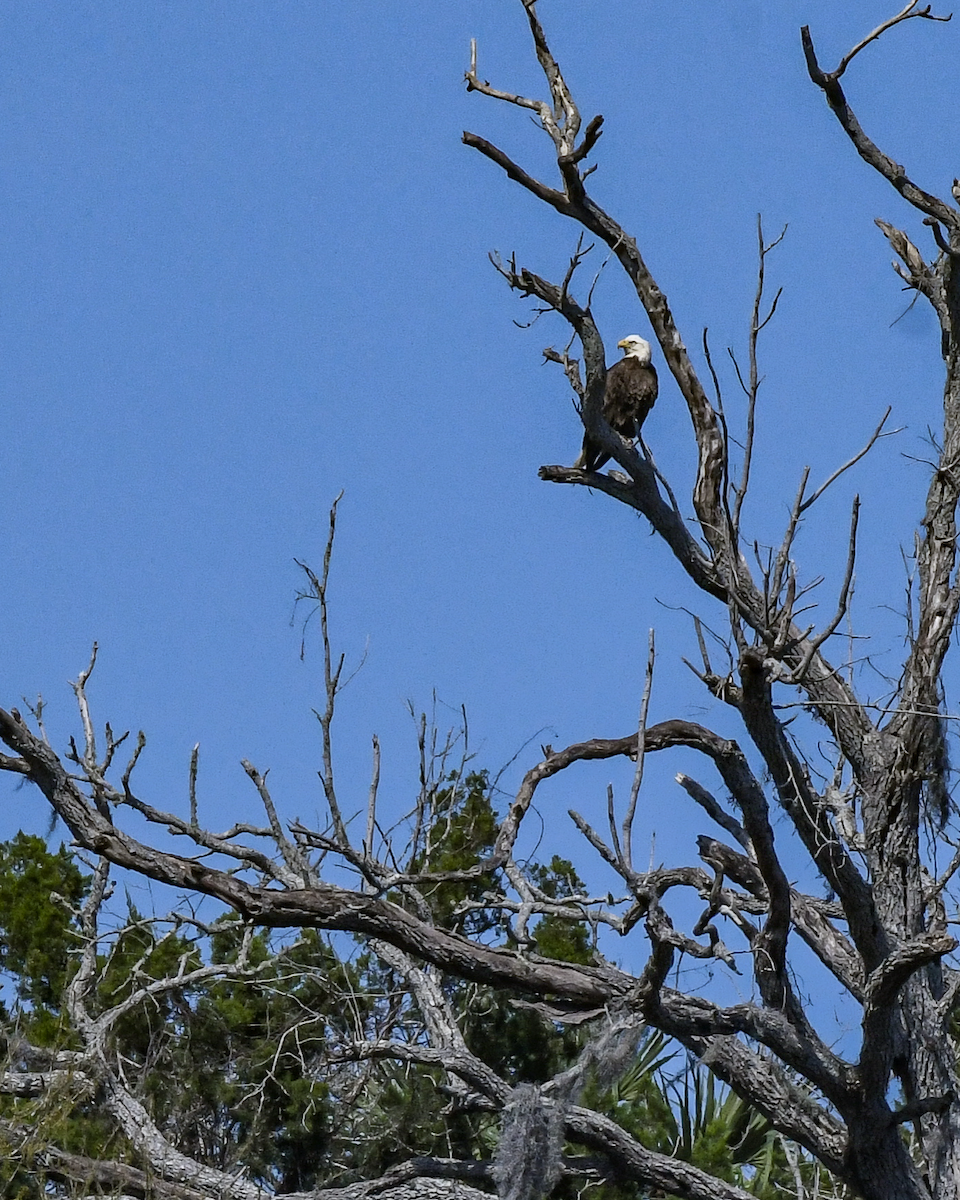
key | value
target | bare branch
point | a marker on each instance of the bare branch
(297, 865)
(757, 324)
(194, 762)
(372, 799)
(906, 13)
(710, 805)
(843, 603)
(829, 83)
(641, 746)
(476, 84)
(331, 675)
(877, 433)
(89, 738)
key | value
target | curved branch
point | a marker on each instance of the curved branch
(869, 151)
(877, 433)
(907, 13)
(323, 907)
(660, 1172)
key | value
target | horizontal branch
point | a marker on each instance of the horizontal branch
(642, 493)
(28, 1085)
(324, 907)
(111, 1176)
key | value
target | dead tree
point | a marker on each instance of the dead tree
(882, 1117)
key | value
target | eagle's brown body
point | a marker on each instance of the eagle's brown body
(630, 394)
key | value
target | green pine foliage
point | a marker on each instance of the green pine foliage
(460, 831)
(244, 1063)
(39, 892)
(557, 937)
(247, 1074)
(516, 1042)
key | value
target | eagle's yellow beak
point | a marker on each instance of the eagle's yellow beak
(622, 344)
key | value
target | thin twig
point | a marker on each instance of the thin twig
(194, 763)
(783, 554)
(476, 84)
(877, 433)
(331, 675)
(844, 599)
(905, 14)
(612, 822)
(641, 738)
(79, 686)
(757, 324)
(372, 799)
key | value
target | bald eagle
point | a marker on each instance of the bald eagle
(630, 394)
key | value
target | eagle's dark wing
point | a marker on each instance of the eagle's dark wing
(630, 394)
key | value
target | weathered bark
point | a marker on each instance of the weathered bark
(895, 965)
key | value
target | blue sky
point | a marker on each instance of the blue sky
(243, 267)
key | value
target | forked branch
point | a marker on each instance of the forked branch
(869, 151)
(907, 13)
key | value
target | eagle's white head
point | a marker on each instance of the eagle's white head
(634, 346)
